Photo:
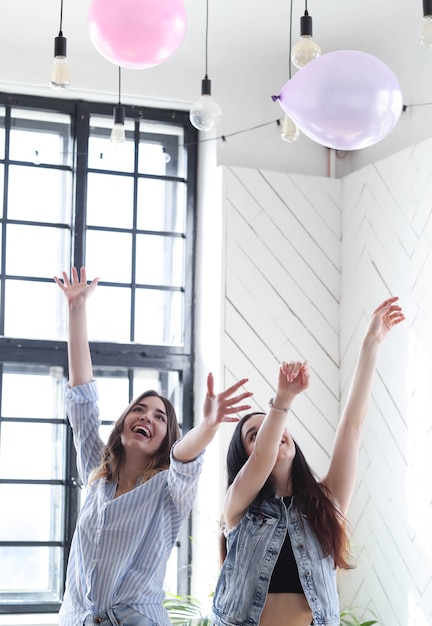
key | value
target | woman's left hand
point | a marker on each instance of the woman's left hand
(223, 406)
(384, 318)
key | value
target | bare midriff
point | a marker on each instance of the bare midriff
(286, 609)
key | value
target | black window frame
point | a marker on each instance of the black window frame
(104, 354)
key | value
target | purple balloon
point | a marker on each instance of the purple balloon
(344, 100)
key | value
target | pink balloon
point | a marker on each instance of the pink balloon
(137, 33)
(344, 100)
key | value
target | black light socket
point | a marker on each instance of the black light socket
(119, 114)
(306, 24)
(206, 86)
(60, 46)
(427, 7)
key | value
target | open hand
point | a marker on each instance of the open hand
(384, 318)
(223, 406)
(77, 289)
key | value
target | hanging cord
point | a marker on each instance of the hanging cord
(290, 41)
(61, 19)
(206, 39)
(119, 86)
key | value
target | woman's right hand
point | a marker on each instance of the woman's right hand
(77, 289)
(76, 292)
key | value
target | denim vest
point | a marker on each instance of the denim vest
(253, 547)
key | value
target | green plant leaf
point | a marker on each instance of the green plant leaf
(349, 618)
(185, 611)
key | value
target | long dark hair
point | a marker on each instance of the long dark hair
(113, 453)
(328, 523)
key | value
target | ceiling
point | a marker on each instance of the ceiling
(248, 61)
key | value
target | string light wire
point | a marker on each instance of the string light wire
(278, 121)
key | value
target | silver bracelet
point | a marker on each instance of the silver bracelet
(271, 405)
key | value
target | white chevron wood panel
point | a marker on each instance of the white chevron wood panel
(282, 294)
(386, 250)
(307, 261)
(292, 216)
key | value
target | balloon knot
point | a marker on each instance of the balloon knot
(274, 98)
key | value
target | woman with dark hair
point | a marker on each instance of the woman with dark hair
(284, 532)
(140, 486)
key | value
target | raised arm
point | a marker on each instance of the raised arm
(217, 409)
(293, 378)
(76, 292)
(342, 471)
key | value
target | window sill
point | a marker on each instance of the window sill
(37, 619)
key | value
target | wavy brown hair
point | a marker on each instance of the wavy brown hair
(328, 523)
(113, 453)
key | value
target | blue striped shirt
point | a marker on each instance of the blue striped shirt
(121, 546)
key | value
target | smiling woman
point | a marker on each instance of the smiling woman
(141, 486)
(143, 436)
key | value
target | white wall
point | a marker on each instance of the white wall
(307, 260)
(386, 250)
(209, 287)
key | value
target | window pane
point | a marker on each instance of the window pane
(159, 317)
(40, 137)
(1, 179)
(109, 255)
(152, 159)
(113, 391)
(110, 201)
(105, 156)
(161, 149)
(171, 576)
(30, 570)
(161, 206)
(109, 314)
(42, 440)
(23, 318)
(2, 132)
(43, 389)
(160, 260)
(36, 250)
(27, 201)
(20, 503)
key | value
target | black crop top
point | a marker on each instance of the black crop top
(285, 576)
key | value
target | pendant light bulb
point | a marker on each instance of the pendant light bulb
(60, 71)
(426, 29)
(206, 112)
(118, 136)
(290, 131)
(165, 156)
(306, 49)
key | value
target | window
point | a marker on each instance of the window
(69, 198)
